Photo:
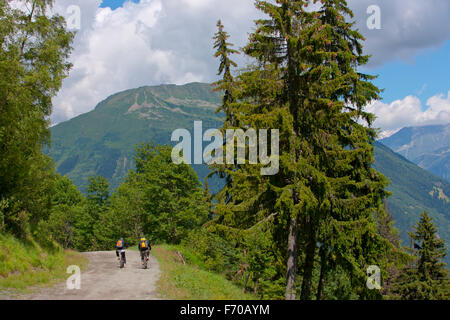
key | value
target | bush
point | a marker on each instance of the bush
(261, 261)
(216, 253)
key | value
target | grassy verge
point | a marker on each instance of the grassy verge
(188, 281)
(24, 265)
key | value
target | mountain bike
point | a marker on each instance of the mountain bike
(122, 259)
(145, 260)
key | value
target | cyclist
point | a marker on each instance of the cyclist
(120, 247)
(144, 248)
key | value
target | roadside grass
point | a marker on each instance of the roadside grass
(189, 281)
(25, 266)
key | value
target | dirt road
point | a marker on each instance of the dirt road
(104, 280)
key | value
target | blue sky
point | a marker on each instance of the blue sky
(426, 75)
(114, 4)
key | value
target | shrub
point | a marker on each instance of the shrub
(216, 253)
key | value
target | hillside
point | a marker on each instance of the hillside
(102, 142)
(26, 263)
(427, 146)
(414, 190)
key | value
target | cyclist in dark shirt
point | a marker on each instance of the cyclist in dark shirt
(121, 245)
(144, 248)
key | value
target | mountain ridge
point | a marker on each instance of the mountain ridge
(110, 131)
(426, 146)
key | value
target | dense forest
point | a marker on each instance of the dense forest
(309, 232)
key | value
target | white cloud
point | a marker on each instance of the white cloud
(169, 41)
(149, 43)
(407, 27)
(438, 111)
(410, 112)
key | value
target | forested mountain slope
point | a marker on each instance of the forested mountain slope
(102, 141)
(427, 146)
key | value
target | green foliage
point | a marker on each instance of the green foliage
(4, 204)
(97, 205)
(173, 194)
(127, 216)
(68, 206)
(225, 85)
(59, 226)
(33, 62)
(76, 221)
(338, 286)
(396, 259)
(426, 278)
(160, 199)
(262, 267)
(215, 253)
(35, 204)
(88, 219)
(98, 191)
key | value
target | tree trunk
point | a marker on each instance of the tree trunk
(292, 259)
(323, 263)
(246, 281)
(309, 266)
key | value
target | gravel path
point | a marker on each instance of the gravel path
(104, 280)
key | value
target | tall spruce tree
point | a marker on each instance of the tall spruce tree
(224, 51)
(427, 277)
(305, 83)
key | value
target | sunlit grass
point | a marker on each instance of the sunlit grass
(24, 265)
(189, 281)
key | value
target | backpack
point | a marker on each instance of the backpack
(144, 244)
(119, 244)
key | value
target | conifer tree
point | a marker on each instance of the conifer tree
(223, 52)
(427, 277)
(305, 83)
(98, 190)
(395, 259)
(226, 85)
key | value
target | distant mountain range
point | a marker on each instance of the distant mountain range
(428, 147)
(102, 142)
